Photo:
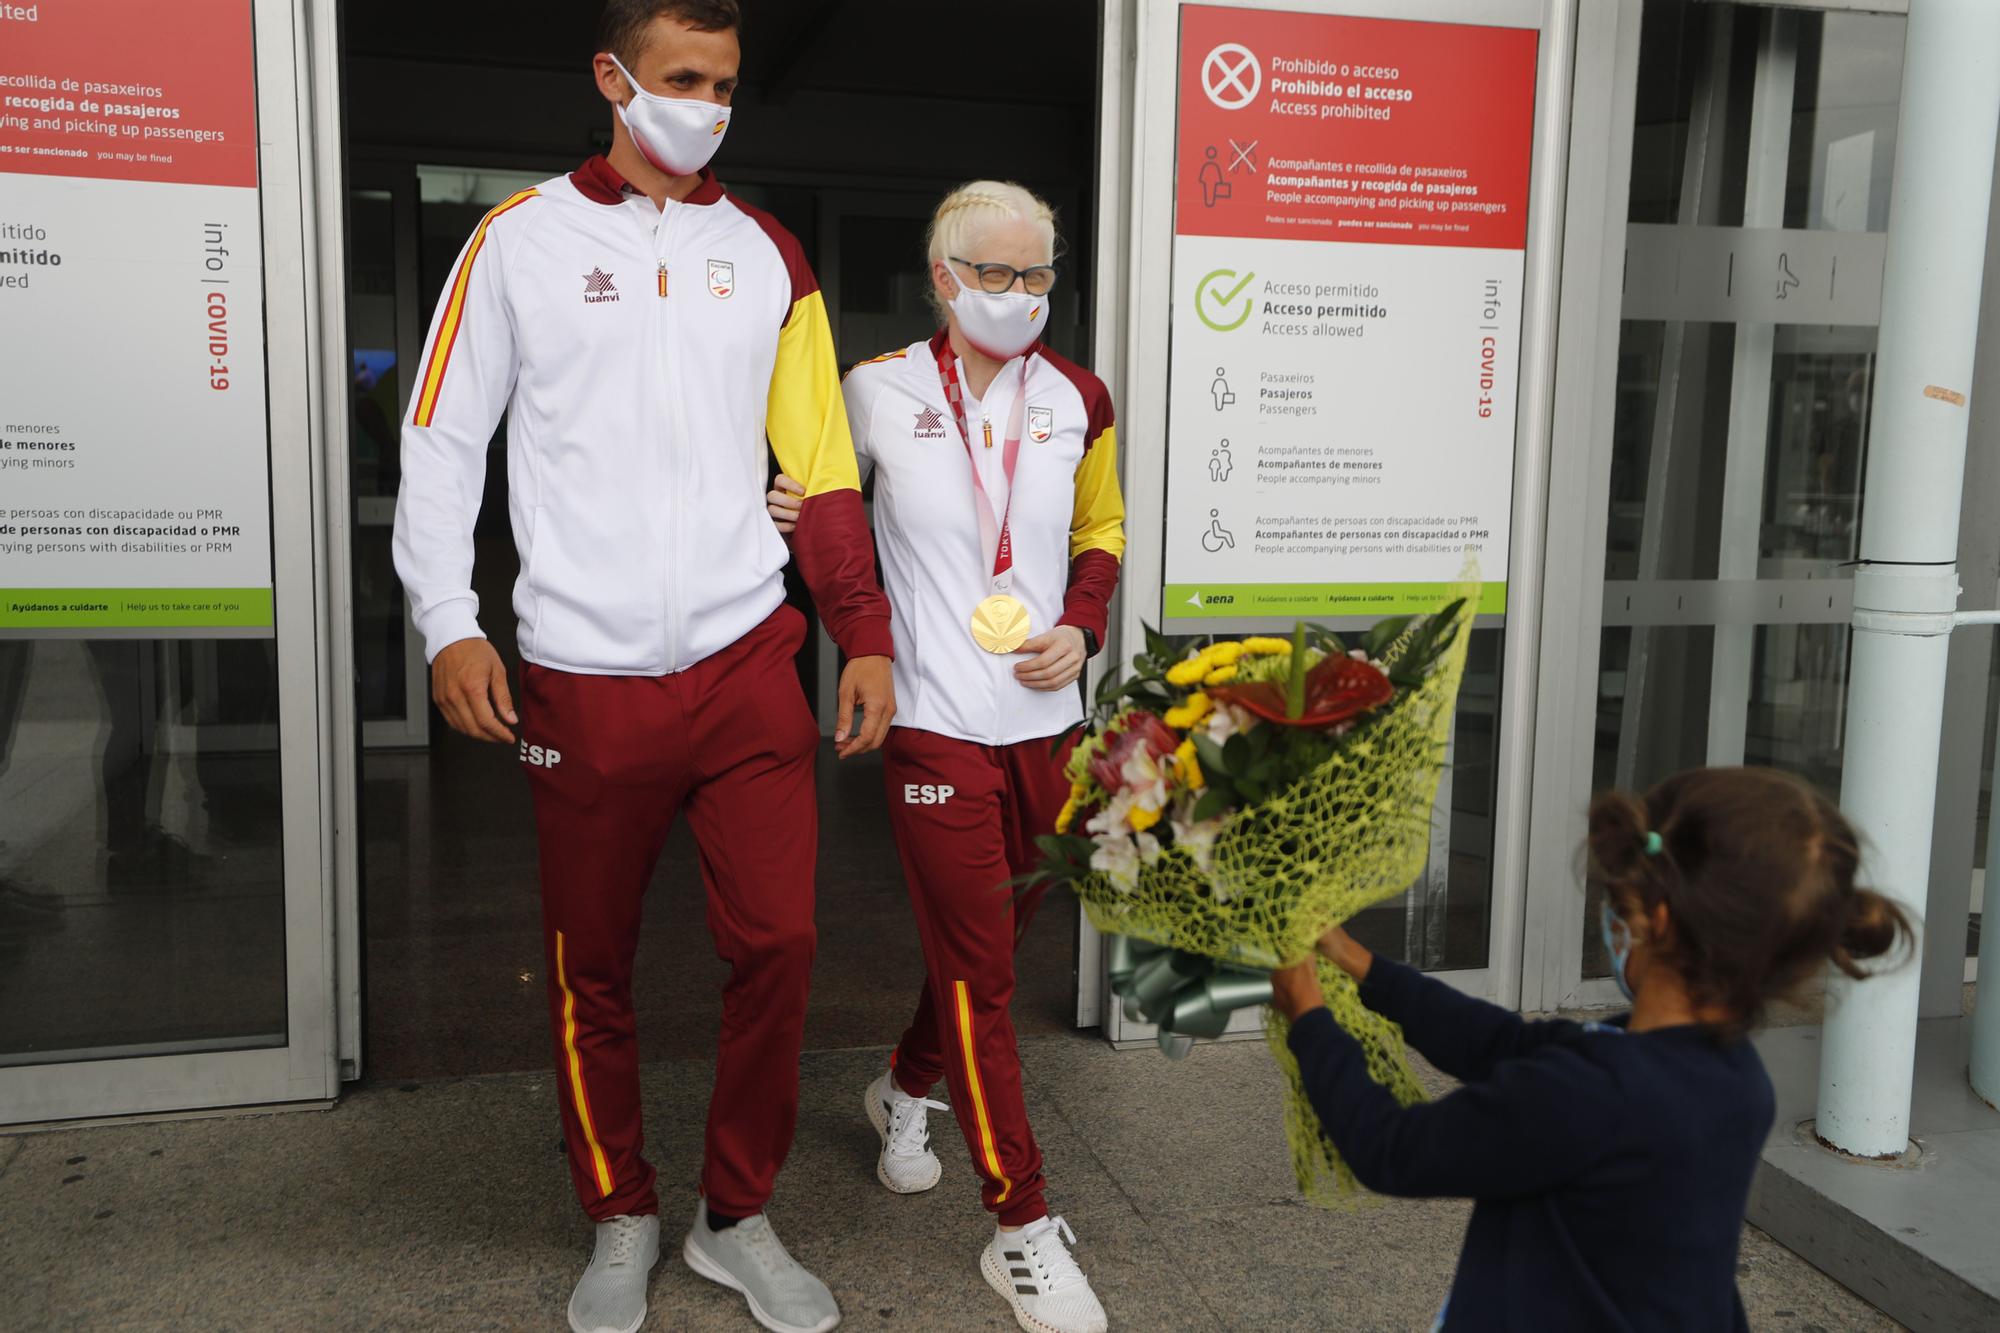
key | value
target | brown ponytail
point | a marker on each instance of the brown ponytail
(1873, 928)
(1756, 869)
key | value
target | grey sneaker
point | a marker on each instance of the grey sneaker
(611, 1295)
(749, 1258)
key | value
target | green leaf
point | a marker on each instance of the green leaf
(1214, 802)
(1385, 633)
(1213, 759)
(1237, 752)
(1159, 646)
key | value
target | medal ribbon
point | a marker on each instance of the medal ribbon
(995, 534)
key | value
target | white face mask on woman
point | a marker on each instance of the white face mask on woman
(1000, 324)
(676, 134)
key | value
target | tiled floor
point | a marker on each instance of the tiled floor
(444, 1205)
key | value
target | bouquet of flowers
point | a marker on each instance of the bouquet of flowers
(1230, 803)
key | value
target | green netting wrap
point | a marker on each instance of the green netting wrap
(1285, 865)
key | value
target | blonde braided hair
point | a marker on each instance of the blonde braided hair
(963, 216)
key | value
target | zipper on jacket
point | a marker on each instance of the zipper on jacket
(674, 464)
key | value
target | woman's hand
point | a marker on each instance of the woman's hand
(1056, 662)
(1295, 990)
(1346, 953)
(784, 500)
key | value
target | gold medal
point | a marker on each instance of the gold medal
(1000, 624)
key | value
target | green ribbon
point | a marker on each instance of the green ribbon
(1185, 995)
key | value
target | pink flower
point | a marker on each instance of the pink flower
(1138, 735)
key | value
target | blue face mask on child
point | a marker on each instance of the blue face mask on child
(1617, 943)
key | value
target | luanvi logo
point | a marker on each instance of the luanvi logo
(597, 287)
(930, 425)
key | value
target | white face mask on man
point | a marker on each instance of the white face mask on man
(1000, 324)
(676, 134)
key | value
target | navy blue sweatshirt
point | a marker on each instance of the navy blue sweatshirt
(1611, 1169)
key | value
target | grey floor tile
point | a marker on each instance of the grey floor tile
(1782, 1292)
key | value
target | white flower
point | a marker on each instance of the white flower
(1149, 847)
(1115, 819)
(1226, 721)
(1117, 858)
(1198, 836)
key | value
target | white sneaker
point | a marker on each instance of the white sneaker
(611, 1295)
(750, 1259)
(907, 1164)
(1033, 1269)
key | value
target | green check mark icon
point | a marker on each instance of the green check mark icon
(1210, 294)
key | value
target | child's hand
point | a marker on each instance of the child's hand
(1295, 990)
(1346, 953)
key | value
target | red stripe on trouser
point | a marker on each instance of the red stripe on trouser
(732, 744)
(958, 855)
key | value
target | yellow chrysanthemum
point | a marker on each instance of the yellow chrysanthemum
(1220, 676)
(1190, 766)
(1142, 819)
(1223, 654)
(1267, 647)
(1189, 672)
(1190, 713)
(1067, 817)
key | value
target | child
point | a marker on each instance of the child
(1612, 1162)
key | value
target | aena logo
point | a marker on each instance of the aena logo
(924, 793)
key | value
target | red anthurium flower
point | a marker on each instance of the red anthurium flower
(1338, 689)
(1135, 733)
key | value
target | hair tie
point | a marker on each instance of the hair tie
(1653, 844)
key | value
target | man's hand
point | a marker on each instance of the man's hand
(470, 687)
(1295, 990)
(1055, 659)
(866, 684)
(783, 502)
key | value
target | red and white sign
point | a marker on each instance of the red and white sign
(137, 92)
(1330, 128)
(1350, 229)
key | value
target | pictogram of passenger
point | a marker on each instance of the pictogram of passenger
(1217, 538)
(653, 340)
(1000, 551)
(1221, 391)
(1220, 463)
(1213, 187)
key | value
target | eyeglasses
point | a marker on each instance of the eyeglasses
(996, 278)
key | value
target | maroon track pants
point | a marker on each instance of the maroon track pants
(966, 817)
(612, 761)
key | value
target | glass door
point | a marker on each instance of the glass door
(164, 885)
(391, 678)
(1717, 457)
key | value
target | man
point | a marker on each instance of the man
(645, 333)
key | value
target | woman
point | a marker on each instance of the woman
(1000, 526)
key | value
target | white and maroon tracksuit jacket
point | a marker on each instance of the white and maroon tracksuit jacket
(971, 777)
(648, 362)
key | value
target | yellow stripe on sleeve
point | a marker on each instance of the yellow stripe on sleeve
(988, 1152)
(1098, 521)
(806, 417)
(454, 314)
(582, 1099)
